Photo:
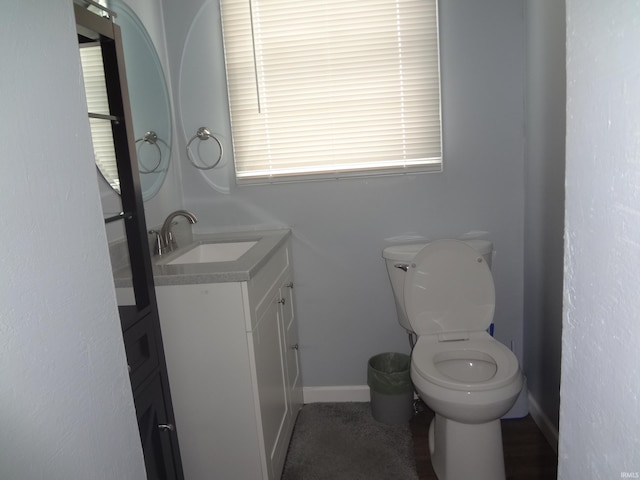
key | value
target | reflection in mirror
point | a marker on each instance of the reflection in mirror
(149, 100)
(101, 59)
(98, 106)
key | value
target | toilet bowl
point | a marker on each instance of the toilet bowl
(445, 294)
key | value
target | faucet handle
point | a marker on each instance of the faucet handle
(159, 248)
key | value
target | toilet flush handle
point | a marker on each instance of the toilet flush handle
(402, 266)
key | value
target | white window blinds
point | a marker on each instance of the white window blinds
(98, 103)
(329, 88)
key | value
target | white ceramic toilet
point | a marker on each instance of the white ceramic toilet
(444, 292)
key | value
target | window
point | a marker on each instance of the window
(332, 88)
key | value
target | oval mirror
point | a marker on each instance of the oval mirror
(150, 108)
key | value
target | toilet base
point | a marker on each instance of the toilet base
(461, 451)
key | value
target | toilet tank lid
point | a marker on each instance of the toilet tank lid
(481, 246)
(407, 252)
(402, 252)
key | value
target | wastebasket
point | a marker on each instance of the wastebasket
(389, 380)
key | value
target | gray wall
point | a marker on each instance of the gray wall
(599, 414)
(345, 307)
(544, 211)
(65, 398)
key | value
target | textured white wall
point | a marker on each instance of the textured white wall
(599, 409)
(345, 305)
(544, 204)
(66, 409)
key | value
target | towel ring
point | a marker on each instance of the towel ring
(202, 134)
(151, 138)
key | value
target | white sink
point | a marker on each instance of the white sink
(214, 252)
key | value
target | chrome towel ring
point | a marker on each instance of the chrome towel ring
(150, 138)
(202, 134)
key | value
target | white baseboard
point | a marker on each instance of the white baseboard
(347, 393)
(545, 425)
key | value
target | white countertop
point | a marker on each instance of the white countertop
(240, 270)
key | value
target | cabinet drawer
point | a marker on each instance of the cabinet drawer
(141, 348)
(264, 284)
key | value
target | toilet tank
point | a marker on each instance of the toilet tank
(398, 256)
(483, 247)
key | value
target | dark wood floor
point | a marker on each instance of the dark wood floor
(527, 455)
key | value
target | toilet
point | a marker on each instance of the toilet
(445, 295)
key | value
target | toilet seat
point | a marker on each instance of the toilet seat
(449, 289)
(449, 297)
(429, 349)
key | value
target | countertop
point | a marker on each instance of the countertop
(240, 270)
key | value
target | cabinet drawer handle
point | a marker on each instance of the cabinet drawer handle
(294, 346)
(166, 426)
(289, 285)
(282, 301)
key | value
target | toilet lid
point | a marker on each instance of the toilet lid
(449, 288)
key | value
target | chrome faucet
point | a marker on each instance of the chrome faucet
(165, 242)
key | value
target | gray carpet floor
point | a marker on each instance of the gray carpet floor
(342, 441)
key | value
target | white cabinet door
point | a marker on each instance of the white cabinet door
(267, 340)
(292, 359)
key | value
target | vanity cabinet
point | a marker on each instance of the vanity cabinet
(232, 358)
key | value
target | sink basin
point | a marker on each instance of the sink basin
(214, 252)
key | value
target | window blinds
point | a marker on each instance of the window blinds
(331, 88)
(98, 103)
